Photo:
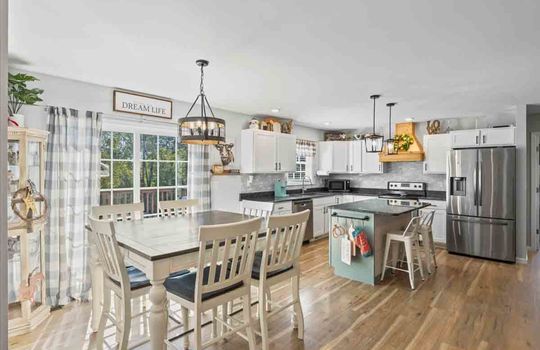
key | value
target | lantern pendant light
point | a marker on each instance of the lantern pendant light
(203, 129)
(374, 142)
(390, 143)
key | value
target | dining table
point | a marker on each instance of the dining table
(158, 246)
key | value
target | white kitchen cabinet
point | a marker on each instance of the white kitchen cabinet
(282, 208)
(498, 136)
(347, 198)
(319, 221)
(436, 148)
(370, 161)
(483, 137)
(325, 157)
(355, 157)
(465, 138)
(267, 152)
(439, 220)
(340, 155)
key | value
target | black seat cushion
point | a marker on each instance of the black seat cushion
(184, 285)
(138, 279)
(256, 272)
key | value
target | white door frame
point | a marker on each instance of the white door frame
(3, 178)
(535, 186)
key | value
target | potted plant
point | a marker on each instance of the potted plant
(19, 95)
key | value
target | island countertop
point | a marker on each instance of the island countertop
(379, 206)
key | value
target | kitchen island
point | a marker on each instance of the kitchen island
(375, 217)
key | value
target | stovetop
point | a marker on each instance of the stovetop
(405, 190)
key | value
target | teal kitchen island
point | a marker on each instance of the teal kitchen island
(375, 217)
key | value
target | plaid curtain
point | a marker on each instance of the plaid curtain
(305, 148)
(72, 188)
(199, 175)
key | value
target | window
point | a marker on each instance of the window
(142, 168)
(305, 153)
(301, 166)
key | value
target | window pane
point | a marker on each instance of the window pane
(148, 147)
(166, 174)
(123, 197)
(106, 180)
(122, 145)
(149, 199)
(166, 147)
(105, 145)
(122, 174)
(182, 173)
(181, 193)
(167, 194)
(149, 174)
(105, 198)
(182, 152)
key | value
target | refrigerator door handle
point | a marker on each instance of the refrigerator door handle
(480, 183)
(482, 222)
(474, 187)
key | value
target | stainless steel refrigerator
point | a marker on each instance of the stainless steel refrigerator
(481, 203)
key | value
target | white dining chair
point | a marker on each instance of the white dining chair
(409, 238)
(222, 275)
(426, 233)
(259, 209)
(278, 262)
(125, 283)
(177, 208)
(119, 212)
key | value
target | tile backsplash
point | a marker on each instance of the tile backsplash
(398, 171)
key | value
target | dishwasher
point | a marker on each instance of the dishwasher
(301, 205)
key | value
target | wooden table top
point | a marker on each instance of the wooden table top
(160, 238)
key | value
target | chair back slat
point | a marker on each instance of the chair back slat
(284, 238)
(177, 208)
(427, 219)
(258, 209)
(232, 244)
(119, 212)
(104, 237)
(412, 227)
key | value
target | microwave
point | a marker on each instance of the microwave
(338, 185)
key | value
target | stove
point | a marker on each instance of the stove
(405, 193)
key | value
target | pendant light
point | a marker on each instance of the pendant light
(390, 143)
(203, 129)
(374, 142)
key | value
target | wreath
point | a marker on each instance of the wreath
(23, 203)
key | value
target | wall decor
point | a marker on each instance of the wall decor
(287, 126)
(226, 153)
(254, 124)
(335, 136)
(267, 125)
(433, 127)
(142, 104)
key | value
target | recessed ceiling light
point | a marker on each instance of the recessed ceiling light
(275, 110)
(327, 123)
(409, 119)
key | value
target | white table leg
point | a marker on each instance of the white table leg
(96, 275)
(158, 311)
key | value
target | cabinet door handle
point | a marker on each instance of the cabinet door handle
(476, 140)
(425, 166)
(279, 165)
(484, 139)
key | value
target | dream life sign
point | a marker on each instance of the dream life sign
(142, 104)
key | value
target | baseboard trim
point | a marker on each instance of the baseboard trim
(524, 261)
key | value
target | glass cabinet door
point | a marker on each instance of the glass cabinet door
(14, 173)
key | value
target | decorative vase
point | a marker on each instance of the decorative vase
(16, 120)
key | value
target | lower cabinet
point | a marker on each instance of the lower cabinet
(282, 208)
(439, 220)
(321, 219)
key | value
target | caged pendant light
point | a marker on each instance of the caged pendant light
(203, 129)
(390, 143)
(374, 142)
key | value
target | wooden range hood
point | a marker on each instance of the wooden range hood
(415, 152)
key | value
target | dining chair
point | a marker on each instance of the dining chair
(409, 238)
(126, 284)
(426, 233)
(222, 275)
(177, 208)
(278, 262)
(259, 209)
(119, 212)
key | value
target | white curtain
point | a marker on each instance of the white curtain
(72, 188)
(199, 175)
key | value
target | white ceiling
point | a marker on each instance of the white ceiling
(316, 60)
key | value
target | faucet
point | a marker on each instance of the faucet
(304, 183)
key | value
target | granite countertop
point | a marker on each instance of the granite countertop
(378, 206)
(268, 196)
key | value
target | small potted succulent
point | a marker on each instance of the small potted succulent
(20, 95)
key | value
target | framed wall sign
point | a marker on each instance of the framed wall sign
(141, 104)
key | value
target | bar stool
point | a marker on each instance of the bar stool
(409, 238)
(426, 233)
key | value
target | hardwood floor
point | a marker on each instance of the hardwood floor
(466, 304)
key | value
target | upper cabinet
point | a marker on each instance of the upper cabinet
(435, 150)
(347, 157)
(483, 137)
(267, 152)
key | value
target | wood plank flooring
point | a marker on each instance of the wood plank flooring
(466, 303)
